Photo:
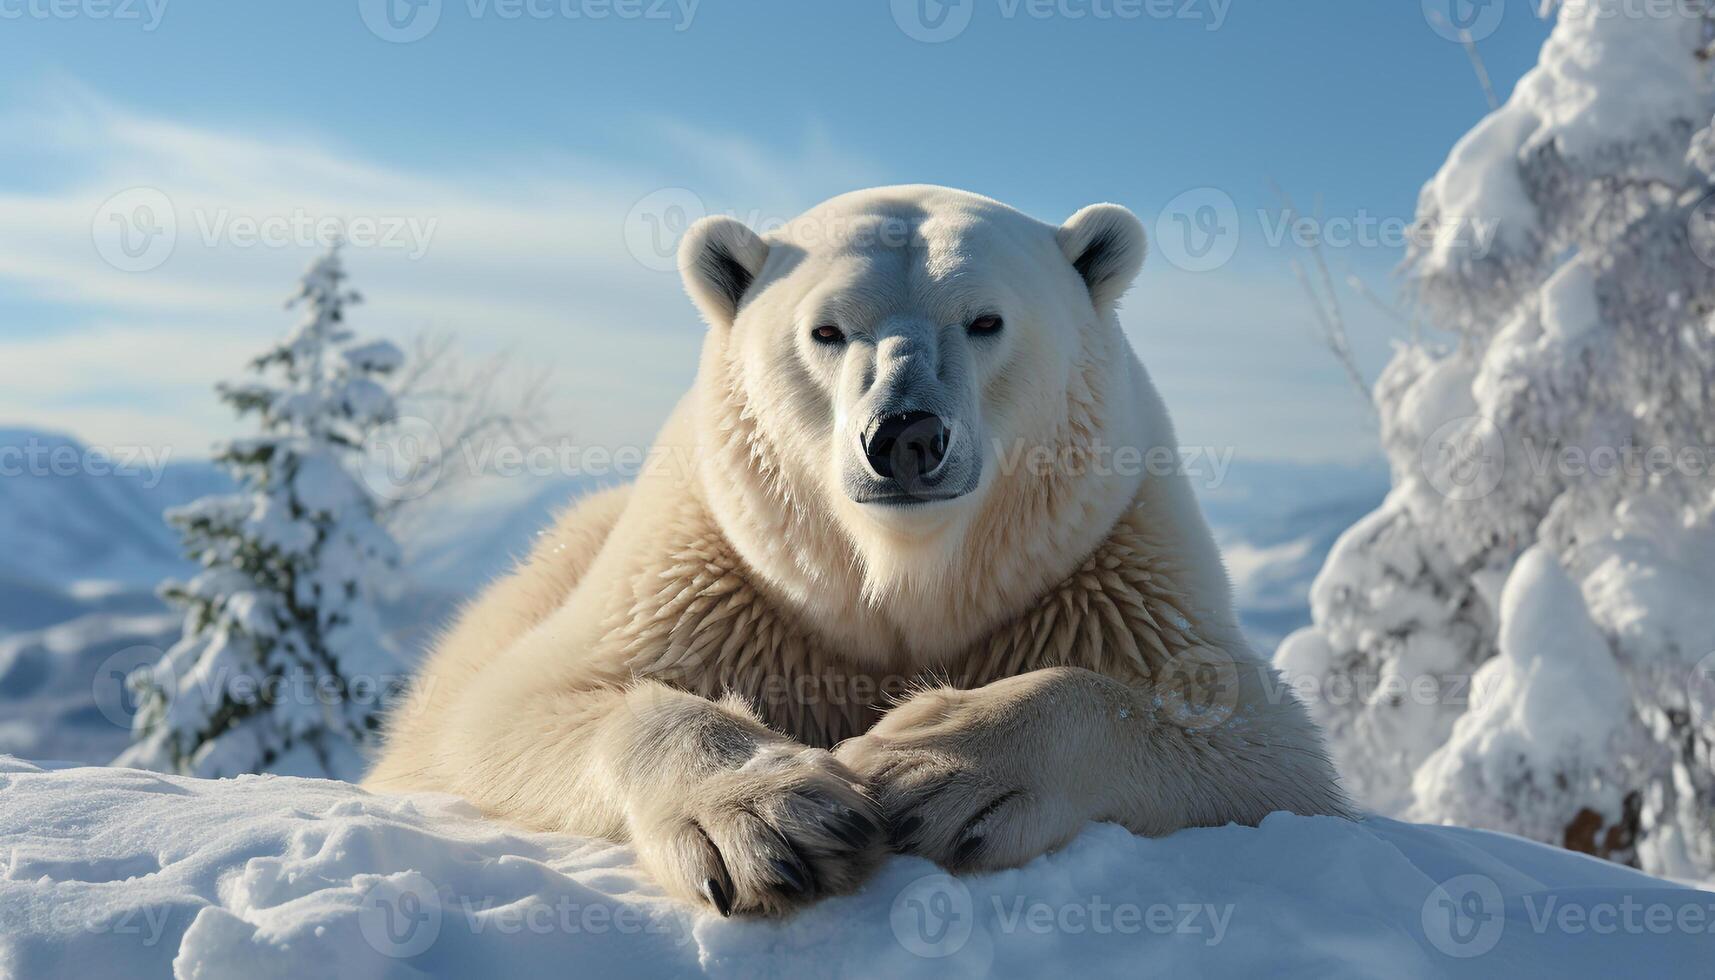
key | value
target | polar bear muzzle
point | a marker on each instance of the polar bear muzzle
(912, 457)
(909, 448)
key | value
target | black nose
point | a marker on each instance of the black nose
(907, 447)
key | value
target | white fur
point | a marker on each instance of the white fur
(675, 661)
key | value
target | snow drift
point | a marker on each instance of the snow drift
(115, 872)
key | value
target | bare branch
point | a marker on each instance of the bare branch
(469, 407)
(1480, 68)
(1325, 304)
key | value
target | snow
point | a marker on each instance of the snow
(1467, 189)
(1591, 90)
(110, 872)
(1608, 84)
(1569, 309)
(1552, 699)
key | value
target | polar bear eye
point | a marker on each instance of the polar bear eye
(986, 325)
(827, 333)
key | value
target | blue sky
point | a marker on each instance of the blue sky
(511, 157)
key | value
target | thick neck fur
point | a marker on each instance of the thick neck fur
(929, 601)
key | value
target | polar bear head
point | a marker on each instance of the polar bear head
(891, 370)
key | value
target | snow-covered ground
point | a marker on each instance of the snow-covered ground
(116, 872)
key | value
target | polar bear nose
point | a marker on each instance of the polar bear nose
(907, 447)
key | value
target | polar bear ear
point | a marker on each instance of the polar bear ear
(1106, 244)
(719, 258)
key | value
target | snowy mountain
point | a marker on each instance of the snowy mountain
(69, 514)
(115, 872)
(62, 691)
(1275, 522)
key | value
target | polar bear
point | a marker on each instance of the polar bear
(905, 572)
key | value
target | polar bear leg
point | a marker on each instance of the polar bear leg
(484, 629)
(992, 777)
(722, 810)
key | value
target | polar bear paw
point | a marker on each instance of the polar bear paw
(961, 779)
(788, 827)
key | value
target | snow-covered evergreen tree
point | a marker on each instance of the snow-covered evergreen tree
(1519, 638)
(282, 666)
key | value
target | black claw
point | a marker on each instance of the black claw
(791, 874)
(852, 833)
(864, 825)
(910, 825)
(717, 896)
(967, 849)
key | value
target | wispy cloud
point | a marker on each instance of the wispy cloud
(562, 258)
(531, 254)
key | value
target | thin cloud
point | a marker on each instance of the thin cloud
(510, 257)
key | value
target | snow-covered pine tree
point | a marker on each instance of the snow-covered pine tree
(1522, 637)
(282, 666)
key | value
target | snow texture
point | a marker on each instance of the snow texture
(114, 872)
